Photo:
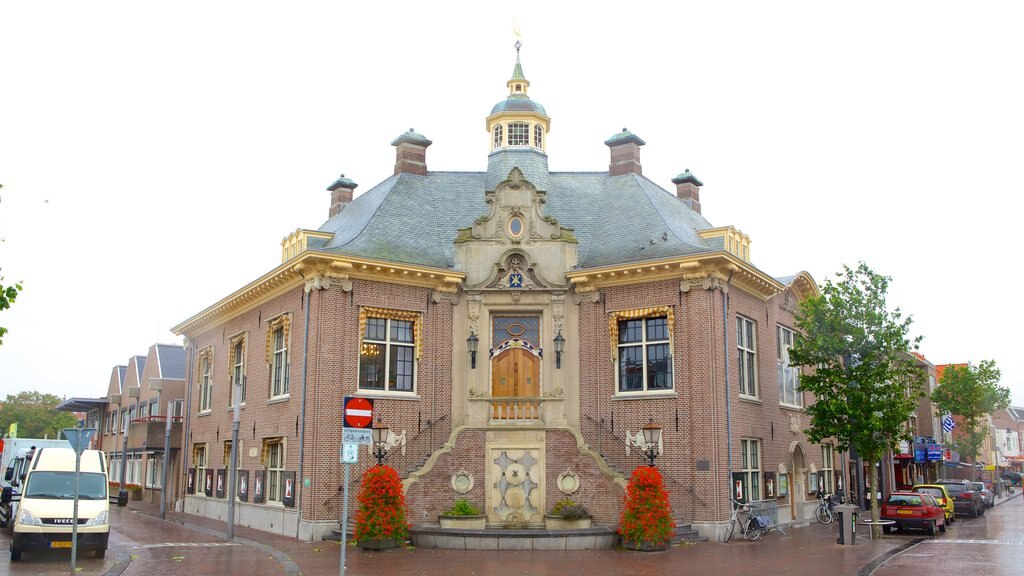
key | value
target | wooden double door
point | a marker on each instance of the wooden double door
(515, 374)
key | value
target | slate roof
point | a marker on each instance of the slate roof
(171, 360)
(414, 219)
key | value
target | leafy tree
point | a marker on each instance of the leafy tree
(973, 393)
(34, 412)
(8, 294)
(864, 380)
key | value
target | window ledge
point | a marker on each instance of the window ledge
(279, 399)
(751, 400)
(204, 413)
(645, 396)
(792, 407)
(375, 394)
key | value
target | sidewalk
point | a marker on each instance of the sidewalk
(808, 550)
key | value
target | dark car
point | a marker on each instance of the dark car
(965, 499)
(913, 510)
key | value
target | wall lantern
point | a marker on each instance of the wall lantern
(652, 435)
(380, 438)
(559, 346)
(472, 342)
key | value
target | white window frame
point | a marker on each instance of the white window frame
(538, 136)
(499, 135)
(280, 367)
(236, 374)
(789, 376)
(205, 382)
(390, 347)
(202, 459)
(750, 466)
(133, 473)
(746, 345)
(275, 469)
(154, 471)
(828, 464)
(645, 343)
(518, 134)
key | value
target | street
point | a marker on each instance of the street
(143, 544)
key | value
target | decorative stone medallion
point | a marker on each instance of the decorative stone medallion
(568, 482)
(462, 481)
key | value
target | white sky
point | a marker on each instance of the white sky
(153, 155)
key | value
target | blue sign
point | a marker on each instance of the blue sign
(934, 452)
(920, 453)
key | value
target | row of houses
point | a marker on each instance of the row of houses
(516, 328)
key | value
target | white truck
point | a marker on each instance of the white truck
(16, 456)
(45, 516)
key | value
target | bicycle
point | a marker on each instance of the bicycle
(752, 525)
(825, 513)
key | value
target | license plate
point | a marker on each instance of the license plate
(60, 544)
(904, 511)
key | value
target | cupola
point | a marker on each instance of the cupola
(517, 121)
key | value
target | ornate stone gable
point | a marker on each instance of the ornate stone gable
(515, 246)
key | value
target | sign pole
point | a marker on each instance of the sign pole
(74, 513)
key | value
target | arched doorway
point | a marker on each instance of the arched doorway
(515, 368)
(798, 484)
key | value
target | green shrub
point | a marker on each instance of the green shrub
(462, 507)
(568, 509)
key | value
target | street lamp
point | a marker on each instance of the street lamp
(652, 435)
(559, 346)
(380, 438)
(472, 342)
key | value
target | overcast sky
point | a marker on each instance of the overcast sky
(153, 155)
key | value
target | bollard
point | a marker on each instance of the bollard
(847, 524)
(122, 497)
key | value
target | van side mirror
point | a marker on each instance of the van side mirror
(5, 496)
(9, 474)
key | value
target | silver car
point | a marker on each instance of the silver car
(986, 495)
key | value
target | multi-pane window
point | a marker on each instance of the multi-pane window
(205, 382)
(518, 134)
(279, 364)
(828, 483)
(154, 471)
(750, 451)
(237, 370)
(789, 376)
(115, 467)
(134, 471)
(538, 136)
(144, 410)
(498, 135)
(746, 343)
(275, 469)
(387, 354)
(644, 357)
(124, 420)
(200, 456)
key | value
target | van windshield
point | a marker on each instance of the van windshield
(61, 486)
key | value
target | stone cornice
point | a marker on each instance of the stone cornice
(316, 270)
(694, 268)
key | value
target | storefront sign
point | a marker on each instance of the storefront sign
(934, 452)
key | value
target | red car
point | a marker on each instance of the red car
(913, 510)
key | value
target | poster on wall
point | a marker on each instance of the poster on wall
(769, 485)
(783, 485)
(812, 483)
(288, 498)
(220, 483)
(243, 485)
(739, 488)
(208, 488)
(259, 478)
(190, 482)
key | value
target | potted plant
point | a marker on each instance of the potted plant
(381, 519)
(134, 490)
(646, 521)
(566, 514)
(463, 515)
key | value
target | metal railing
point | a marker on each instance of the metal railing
(417, 449)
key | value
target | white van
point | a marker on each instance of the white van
(46, 512)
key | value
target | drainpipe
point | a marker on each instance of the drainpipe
(728, 397)
(302, 417)
(188, 419)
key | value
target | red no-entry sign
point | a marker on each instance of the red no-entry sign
(358, 412)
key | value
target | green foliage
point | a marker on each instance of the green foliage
(462, 507)
(568, 509)
(382, 511)
(8, 294)
(971, 392)
(865, 382)
(34, 412)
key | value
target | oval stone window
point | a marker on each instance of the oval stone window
(515, 226)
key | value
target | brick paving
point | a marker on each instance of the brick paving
(805, 550)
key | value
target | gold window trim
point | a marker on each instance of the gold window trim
(196, 449)
(284, 322)
(371, 312)
(615, 317)
(231, 356)
(265, 451)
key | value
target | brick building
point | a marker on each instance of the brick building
(516, 328)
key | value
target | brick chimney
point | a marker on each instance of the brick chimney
(688, 189)
(411, 153)
(625, 149)
(341, 194)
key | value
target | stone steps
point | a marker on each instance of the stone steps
(685, 534)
